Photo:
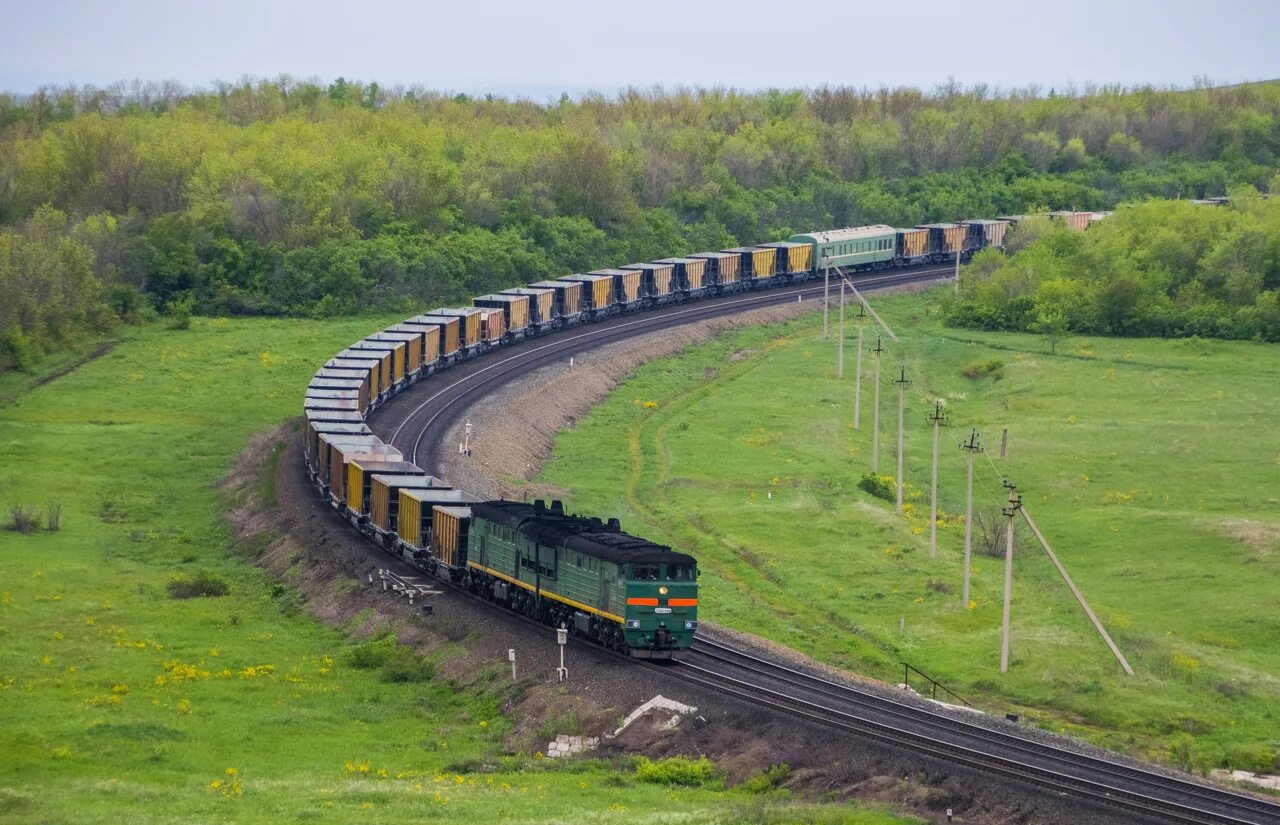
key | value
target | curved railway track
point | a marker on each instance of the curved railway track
(1167, 798)
(417, 425)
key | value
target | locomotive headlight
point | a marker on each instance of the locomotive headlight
(689, 625)
(634, 623)
(662, 591)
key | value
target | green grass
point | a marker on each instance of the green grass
(1150, 466)
(120, 703)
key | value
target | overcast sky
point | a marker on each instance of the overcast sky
(539, 47)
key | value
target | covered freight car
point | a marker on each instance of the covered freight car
(414, 522)
(450, 334)
(985, 234)
(469, 320)
(690, 276)
(427, 343)
(568, 300)
(384, 500)
(515, 311)
(626, 287)
(542, 307)
(756, 264)
(795, 260)
(947, 241)
(657, 282)
(597, 294)
(722, 272)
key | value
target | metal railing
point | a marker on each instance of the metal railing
(934, 684)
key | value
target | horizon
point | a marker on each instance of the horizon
(567, 46)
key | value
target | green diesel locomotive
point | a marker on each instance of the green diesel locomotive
(583, 574)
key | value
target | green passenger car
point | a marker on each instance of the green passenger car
(857, 248)
(584, 574)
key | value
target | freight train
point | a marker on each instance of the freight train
(570, 571)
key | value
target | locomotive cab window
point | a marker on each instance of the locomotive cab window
(644, 572)
(680, 572)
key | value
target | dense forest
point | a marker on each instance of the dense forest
(286, 197)
(1159, 268)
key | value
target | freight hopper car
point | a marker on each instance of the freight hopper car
(588, 576)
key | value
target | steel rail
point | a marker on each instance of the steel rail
(925, 718)
(991, 763)
(526, 357)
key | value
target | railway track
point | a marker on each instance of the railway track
(1165, 798)
(418, 430)
(418, 425)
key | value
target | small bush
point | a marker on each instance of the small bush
(885, 487)
(53, 520)
(203, 584)
(566, 723)
(1254, 758)
(993, 367)
(768, 780)
(395, 662)
(23, 519)
(179, 314)
(684, 771)
(938, 586)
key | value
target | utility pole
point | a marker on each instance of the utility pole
(957, 280)
(875, 418)
(971, 446)
(937, 418)
(902, 383)
(840, 348)
(1014, 505)
(857, 384)
(826, 293)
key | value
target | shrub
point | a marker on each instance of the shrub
(395, 662)
(993, 367)
(23, 519)
(768, 780)
(203, 584)
(938, 586)
(885, 487)
(1254, 758)
(54, 518)
(179, 314)
(676, 770)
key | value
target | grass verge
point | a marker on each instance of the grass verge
(147, 673)
(1144, 462)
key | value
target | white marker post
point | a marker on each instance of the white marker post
(511, 656)
(562, 638)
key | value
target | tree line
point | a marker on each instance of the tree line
(1159, 268)
(290, 197)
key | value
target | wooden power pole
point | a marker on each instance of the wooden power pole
(902, 383)
(875, 416)
(971, 446)
(840, 345)
(937, 418)
(826, 296)
(1010, 512)
(857, 384)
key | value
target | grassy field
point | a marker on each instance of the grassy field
(1150, 466)
(119, 702)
